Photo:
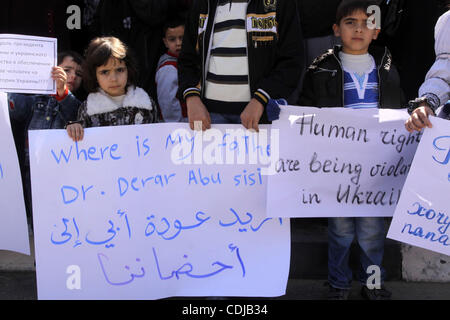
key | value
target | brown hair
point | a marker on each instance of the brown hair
(347, 7)
(69, 53)
(98, 53)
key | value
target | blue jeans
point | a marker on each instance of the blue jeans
(370, 235)
(222, 118)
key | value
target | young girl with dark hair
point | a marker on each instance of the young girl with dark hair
(110, 78)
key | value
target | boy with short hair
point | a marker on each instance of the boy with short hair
(172, 109)
(354, 75)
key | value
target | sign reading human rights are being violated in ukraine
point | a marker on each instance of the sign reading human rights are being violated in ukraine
(338, 162)
(422, 217)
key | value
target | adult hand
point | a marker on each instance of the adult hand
(419, 118)
(60, 76)
(252, 114)
(75, 131)
(197, 112)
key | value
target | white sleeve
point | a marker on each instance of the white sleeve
(437, 80)
(167, 87)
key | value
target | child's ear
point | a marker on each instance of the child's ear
(375, 35)
(336, 29)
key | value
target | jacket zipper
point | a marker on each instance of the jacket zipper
(342, 77)
(326, 70)
(379, 78)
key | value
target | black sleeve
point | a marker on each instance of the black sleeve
(189, 61)
(289, 56)
(306, 97)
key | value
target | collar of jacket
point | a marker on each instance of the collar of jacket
(100, 102)
(381, 55)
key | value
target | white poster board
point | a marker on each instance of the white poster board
(337, 162)
(26, 63)
(13, 220)
(422, 217)
(116, 218)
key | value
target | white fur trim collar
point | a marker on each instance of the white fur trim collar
(101, 102)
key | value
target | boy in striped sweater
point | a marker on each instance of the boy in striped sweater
(236, 55)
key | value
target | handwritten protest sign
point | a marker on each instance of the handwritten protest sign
(339, 162)
(422, 217)
(26, 63)
(13, 222)
(152, 211)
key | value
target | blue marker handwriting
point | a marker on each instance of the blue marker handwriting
(240, 143)
(236, 141)
(1, 171)
(111, 232)
(185, 140)
(203, 179)
(430, 235)
(177, 225)
(102, 258)
(248, 179)
(232, 247)
(444, 142)
(188, 269)
(155, 226)
(138, 184)
(246, 220)
(69, 194)
(92, 153)
(441, 219)
(66, 236)
(142, 148)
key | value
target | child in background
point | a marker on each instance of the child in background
(172, 109)
(36, 112)
(354, 76)
(110, 79)
(51, 111)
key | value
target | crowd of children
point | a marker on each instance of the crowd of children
(226, 63)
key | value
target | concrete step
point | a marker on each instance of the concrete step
(22, 286)
(14, 261)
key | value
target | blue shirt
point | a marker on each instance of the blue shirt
(361, 90)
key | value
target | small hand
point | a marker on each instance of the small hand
(60, 76)
(197, 112)
(419, 118)
(75, 131)
(252, 114)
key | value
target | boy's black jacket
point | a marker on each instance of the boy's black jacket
(323, 83)
(274, 66)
